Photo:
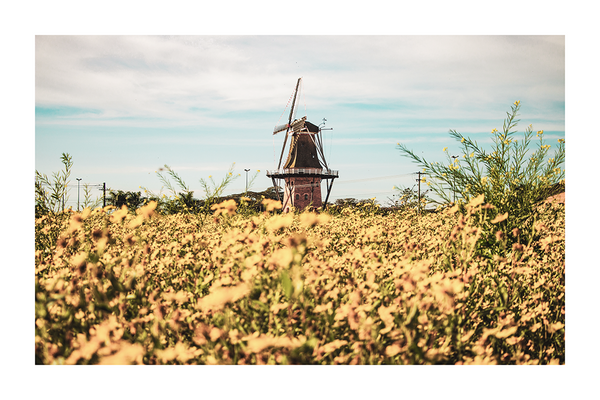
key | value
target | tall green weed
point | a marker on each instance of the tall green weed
(514, 176)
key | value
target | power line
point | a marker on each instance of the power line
(374, 178)
(362, 194)
(74, 185)
(419, 182)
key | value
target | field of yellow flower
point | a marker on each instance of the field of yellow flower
(355, 287)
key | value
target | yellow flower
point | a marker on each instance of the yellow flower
(561, 140)
(271, 204)
(517, 102)
(219, 297)
(462, 140)
(226, 207)
(499, 218)
(445, 149)
(471, 155)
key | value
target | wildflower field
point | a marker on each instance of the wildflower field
(355, 286)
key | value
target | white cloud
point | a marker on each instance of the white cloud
(148, 75)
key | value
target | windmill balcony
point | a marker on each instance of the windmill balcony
(284, 173)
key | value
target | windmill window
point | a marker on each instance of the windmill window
(297, 196)
(305, 196)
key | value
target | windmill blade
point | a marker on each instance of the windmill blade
(280, 128)
(283, 148)
(319, 145)
(289, 122)
(298, 124)
(293, 110)
(297, 99)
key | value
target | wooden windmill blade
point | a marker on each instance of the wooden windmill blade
(289, 124)
(280, 128)
(319, 145)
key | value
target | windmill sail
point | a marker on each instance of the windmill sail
(280, 128)
(289, 121)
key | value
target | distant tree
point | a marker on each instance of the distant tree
(271, 193)
(120, 198)
(408, 198)
(116, 198)
(348, 202)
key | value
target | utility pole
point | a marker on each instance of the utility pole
(419, 181)
(454, 181)
(246, 179)
(104, 194)
(78, 179)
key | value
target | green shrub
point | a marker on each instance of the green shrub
(512, 176)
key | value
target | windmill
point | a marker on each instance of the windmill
(305, 166)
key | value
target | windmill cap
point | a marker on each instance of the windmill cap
(302, 123)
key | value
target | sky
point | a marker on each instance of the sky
(125, 106)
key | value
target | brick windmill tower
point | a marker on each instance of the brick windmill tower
(305, 166)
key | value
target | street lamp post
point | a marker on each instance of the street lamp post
(78, 179)
(246, 179)
(454, 183)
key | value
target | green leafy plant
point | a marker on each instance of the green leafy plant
(51, 195)
(213, 191)
(87, 197)
(512, 176)
(180, 199)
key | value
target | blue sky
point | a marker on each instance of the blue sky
(123, 106)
